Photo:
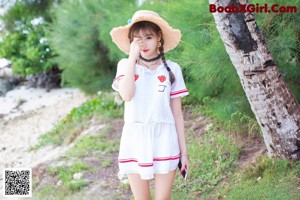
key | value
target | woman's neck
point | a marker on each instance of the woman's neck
(150, 65)
(150, 59)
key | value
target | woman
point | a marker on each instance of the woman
(152, 141)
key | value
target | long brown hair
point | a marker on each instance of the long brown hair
(146, 25)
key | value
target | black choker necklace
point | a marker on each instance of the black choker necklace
(151, 59)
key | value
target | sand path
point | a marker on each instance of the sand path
(27, 113)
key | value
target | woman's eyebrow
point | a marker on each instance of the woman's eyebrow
(146, 35)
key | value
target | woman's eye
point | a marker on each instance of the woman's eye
(149, 38)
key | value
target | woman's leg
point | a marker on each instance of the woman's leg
(163, 185)
(140, 188)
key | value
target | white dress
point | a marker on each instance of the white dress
(149, 142)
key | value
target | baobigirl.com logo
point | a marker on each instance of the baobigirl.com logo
(233, 8)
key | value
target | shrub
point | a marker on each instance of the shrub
(82, 53)
(24, 42)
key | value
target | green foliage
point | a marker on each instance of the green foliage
(209, 74)
(98, 142)
(208, 70)
(74, 34)
(234, 115)
(80, 35)
(268, 179)
(104, 105)
(282, 37)
(202, 53)
(106, 163)
(65, 174)
(114, 15)
(27, 9)
(212, 158)
(26, 45)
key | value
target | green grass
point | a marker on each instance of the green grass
(212, 158)
(48, 191)
(268, 179)
(65, 174)
(97, 111)
(106, 163)
(214, 173)
(68, 186)
(230, 117)
(101, 108)
(99, 143)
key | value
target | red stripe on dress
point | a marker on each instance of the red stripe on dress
(149, 164)
(167, 158)
(118, 78)
(135, 160)
(127, 160)
(178, 92)
(145, 165)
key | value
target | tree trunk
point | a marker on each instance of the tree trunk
(274, 106)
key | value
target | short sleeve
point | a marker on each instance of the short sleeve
(120, 74)
(178, 88)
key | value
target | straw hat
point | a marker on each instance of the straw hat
(120, 34)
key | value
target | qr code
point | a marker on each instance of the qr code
(17, 182)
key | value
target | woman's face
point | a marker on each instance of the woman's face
(149, 43)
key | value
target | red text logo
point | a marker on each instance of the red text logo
(232, 8)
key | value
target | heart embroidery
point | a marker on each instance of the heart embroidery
(136, 77)
(161, 78)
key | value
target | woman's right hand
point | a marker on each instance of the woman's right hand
(135, 48)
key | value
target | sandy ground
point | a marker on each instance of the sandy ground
(27, 113)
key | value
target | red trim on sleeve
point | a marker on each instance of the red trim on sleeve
(118, 78)
(179, 92)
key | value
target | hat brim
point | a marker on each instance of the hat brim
(171, 36)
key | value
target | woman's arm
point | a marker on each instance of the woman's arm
(126, 84)
(179, 121)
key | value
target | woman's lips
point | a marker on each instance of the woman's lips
(145, 50)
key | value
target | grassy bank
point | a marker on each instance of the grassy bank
(215, 157)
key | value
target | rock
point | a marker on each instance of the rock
(5, 68)
(77, 176)
(9, 83)
(5, 72)
(59, 183)
(5, 86)
(16, 80)
(49, 80)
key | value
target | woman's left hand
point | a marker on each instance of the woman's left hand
(185, 163)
